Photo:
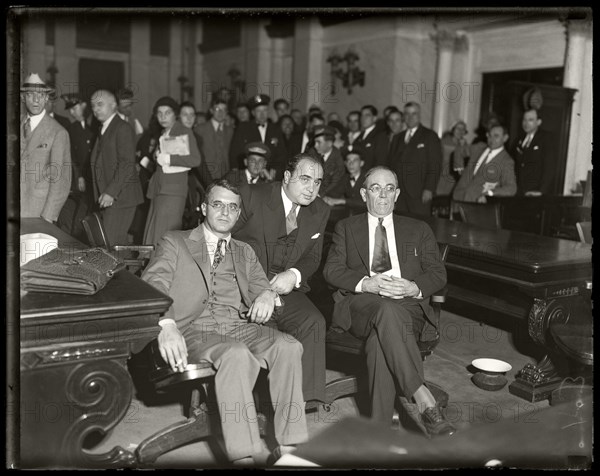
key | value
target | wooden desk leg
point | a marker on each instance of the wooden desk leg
(537, 382)
(69, 394)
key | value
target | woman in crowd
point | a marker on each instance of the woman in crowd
(177, 152)
(454, 153)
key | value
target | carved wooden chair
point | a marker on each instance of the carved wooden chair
(152, 375)
(350, 346)
(96, 235)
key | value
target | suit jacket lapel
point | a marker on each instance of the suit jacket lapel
(196, 243)
(239, 267)
(273, 217)
(360, 233)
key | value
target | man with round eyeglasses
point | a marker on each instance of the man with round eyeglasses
(385, 267)
(221, 303)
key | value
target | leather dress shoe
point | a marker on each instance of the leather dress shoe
(435, 422)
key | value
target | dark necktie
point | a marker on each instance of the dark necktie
(290, 220)
(27, 128)
(381, 255)
(218, 254)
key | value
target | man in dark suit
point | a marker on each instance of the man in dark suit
(535, 157)
(372, 139)
(258, 130)
(285, 225)
(385, 268)
(45, 155)
(347, 191)
(62, 120)
(116, 183)
(257, 156)
(416, 157)
(333, 169)
(216, 138)
(82, 140)
(491, 172)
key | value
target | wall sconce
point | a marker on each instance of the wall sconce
(351, 75)
(186, 90)
(237, 83)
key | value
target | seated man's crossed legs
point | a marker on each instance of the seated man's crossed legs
(390, 329)
(238, 352)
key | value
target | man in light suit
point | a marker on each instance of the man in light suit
(490, 172)
(215, 141)
(535, 157)
(45, 155)
(416, 157)
(228, 325)
(284, 222)
(385, 268)
(259, 129)
(117, 188)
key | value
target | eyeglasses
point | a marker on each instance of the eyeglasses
(376, 189)
(233, 207)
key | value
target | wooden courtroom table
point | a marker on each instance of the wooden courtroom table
(74, 380)
(541, 279)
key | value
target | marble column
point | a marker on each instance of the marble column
(306, 87)
(257, 54)
(66, 62)
(200, 90)
(445, 42)
(138, 78)
(579, 158)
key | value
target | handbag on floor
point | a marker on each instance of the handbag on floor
(70, 271)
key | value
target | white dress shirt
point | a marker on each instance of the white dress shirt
(263, 132)
(491, 153)
(249, 177)
(367, 131)
(35, 120)
(106, 123)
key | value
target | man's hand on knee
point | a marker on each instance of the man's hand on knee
(171, 345)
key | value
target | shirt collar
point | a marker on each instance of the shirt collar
(249, 177)
(326, 156)
(388, 220)
(368, 130)
(35, 120)
(494, 152)
(213, 239)
(287, 203)
(215, 124)
(106, 123)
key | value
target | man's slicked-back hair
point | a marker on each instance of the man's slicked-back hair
(413, 104)
(220, 183)
(292, 164)
(371, 108)
(377, 169)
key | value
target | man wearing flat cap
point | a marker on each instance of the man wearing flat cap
(258, 129)
(333, 169)
(82, 139)
(257, 156)
(45, 155)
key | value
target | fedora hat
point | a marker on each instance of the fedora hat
(33, 82)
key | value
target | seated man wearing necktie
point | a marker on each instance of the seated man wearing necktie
(257, 155)
(490, 172)
(385, 267)
(221, 303)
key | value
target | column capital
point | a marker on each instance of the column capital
(450, 40)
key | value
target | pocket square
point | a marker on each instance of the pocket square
(42, 146)
(536, 147)
(368, 145)
(315, 236)
(420, 146)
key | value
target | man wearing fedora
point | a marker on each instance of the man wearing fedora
(257, 156)
(45, 155)
(259, 129)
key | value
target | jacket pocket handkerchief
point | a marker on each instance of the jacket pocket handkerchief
(315, 236)
(42, 146)
(420, 146)
(536, 147)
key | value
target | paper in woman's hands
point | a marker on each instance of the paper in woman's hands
(177, 145)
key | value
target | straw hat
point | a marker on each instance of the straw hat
(33, 82)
